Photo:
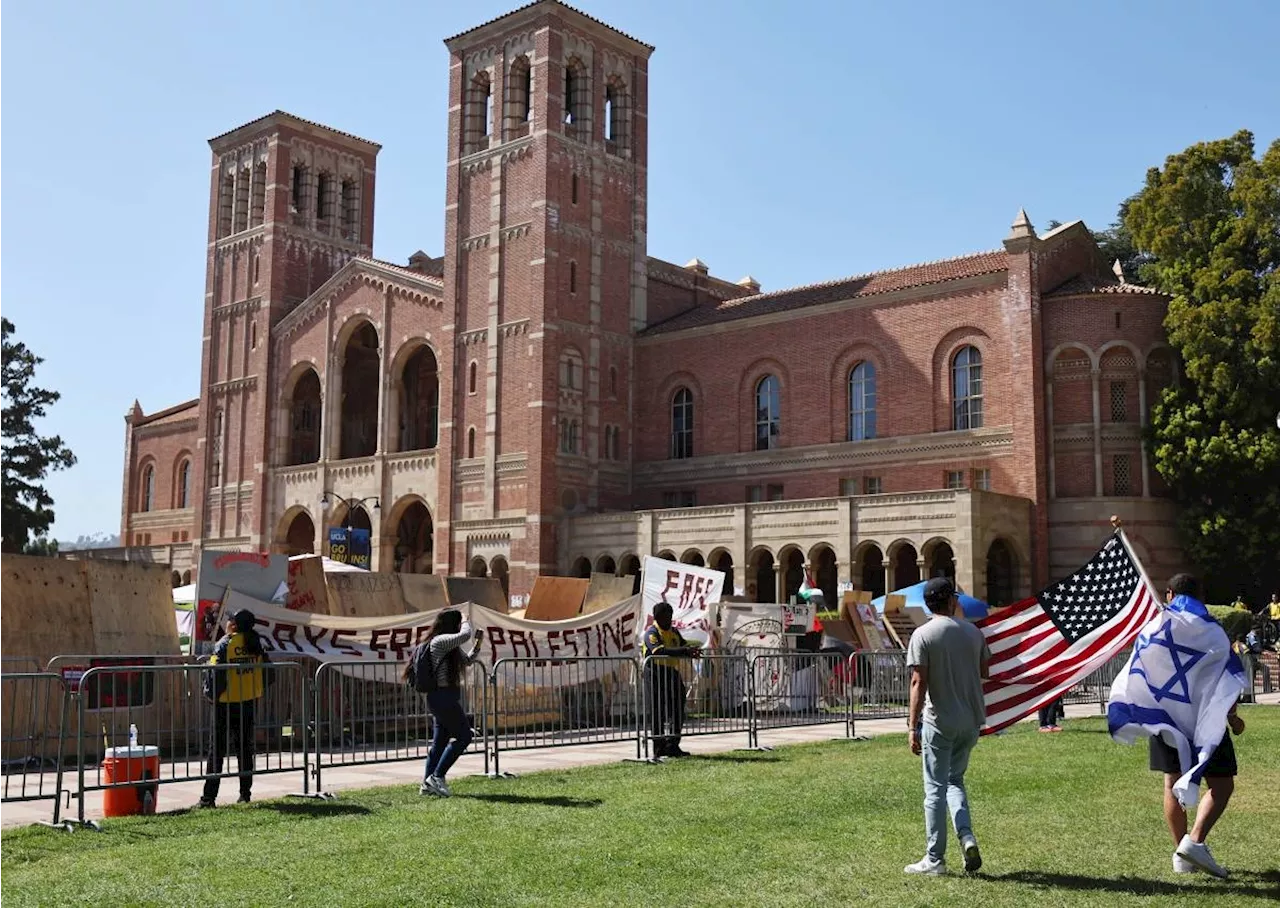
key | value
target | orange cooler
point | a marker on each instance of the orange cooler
(130, 764)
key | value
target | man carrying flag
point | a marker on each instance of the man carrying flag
(1180, 688)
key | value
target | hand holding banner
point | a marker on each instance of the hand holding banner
(692, 592)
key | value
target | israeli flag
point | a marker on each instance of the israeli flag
(1180, 682)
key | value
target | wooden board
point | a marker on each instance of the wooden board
(556, 598)
(486, 591)
(606, 590)
(423, 592)
(361, 595)
(868, 624)
(307, 589)
(900, 626)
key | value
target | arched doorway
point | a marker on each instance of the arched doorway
(826, 575)
(418, 401)
(300, 538)
(631, 568)
(871, 569)
(942, 561)
(667, 555)
(764, 575)
(606, 565)
(792, 561)
(415, 542)
(581, 568)
(186, 577)
(305, 419)
(1001, 574)
(175, 580)
(906, 567)
(360, 383)
(501, 572)
(693, 557)
(722, 561)
(477, 568)
(357, 519)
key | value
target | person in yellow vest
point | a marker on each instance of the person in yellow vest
(234, 692)
(665, 688)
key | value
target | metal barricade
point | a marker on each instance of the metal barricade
(34, 732)
(1096, 686)
(879, 686)
(558, 702)
(365, 713)
(796, 689)
(713, 691)
(167, 705)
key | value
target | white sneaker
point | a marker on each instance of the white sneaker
(440, 785)
(1182, 865)
(1198, 853)
(926, 865)
(972, 857)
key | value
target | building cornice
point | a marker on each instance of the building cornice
(415, 288)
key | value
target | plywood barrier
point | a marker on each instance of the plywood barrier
(606, 590)
(556, 598)
(486, 591)
(423, 592)
(307, 589)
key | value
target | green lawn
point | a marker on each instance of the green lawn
(1069, 819)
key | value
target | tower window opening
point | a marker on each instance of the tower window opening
(324, 204)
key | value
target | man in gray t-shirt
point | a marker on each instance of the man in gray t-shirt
(948, 659)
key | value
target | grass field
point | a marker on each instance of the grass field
(1068, 819)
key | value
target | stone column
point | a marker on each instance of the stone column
(1095, 378)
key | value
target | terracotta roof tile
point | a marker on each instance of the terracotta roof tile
(285, 113)
(1083, 286)
(430, 278)
(863, 285)
(564, 6)
(180, 413)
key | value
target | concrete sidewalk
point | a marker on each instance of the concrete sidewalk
(184, 795)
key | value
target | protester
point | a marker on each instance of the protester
(948, 658)
(1180, 689)
(665, 646)
(440, 655)
(234, 691)
(1049, 715)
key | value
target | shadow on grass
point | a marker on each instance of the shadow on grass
(553, 801)
(1243, 883)
(313, 808)
(734, 758)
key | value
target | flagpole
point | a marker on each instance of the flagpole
(1124, 540)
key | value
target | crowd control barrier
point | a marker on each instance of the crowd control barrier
(718, 697)
(879, 686)
(35, 717)
(558, 702)
(167, 707)
(797, 689)
(364, 713)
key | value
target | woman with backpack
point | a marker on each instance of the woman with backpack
(435, 668)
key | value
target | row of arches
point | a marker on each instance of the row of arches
(776, 577)
(410, 535)
(414, 411)
(965, 397)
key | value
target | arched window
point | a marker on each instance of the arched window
(616, 115)
(862, 402)
(682, 424)
(148, 490)
(573, 277)
(613, 381)
(571, 378)
(768, 413)
(576, 99)
(570, 436)
(184, 485)
(519, 96)
(471, 378)
(966, 389)
(477, 113)
(471, 442)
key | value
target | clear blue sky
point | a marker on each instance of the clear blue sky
(796, 141)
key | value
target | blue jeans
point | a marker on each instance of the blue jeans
(946, 757)
(452, 730)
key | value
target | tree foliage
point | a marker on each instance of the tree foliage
(1210, 220)
(27, 456)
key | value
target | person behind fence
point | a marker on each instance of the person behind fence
(435, 668)
(665, 646)
(948, 658)
(234, 692)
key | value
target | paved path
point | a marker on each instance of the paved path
(184, 795)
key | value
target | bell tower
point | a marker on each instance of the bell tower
(545, 272)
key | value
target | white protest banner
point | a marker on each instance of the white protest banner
(609, 632)
(692, 592)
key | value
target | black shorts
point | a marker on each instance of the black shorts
(1222, 762)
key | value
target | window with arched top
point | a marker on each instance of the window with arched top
(471, 442)
(768, 413)
(477, 113)
(616, 115)
(577, 98)
(682, 424)
(471, 377)
(613, 381)
(184, 485)
(147, 491)
(519, 97)
(571, 375)
(966, 388)
(573, 277)
(862, 402)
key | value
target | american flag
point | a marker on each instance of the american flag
(1042, 646)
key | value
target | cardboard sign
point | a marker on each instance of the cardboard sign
(254, 574)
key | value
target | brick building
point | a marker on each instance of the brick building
(548, 398)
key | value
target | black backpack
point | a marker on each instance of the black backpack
(422, 672)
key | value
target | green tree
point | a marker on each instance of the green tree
(27, 457)
(1210, 219)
